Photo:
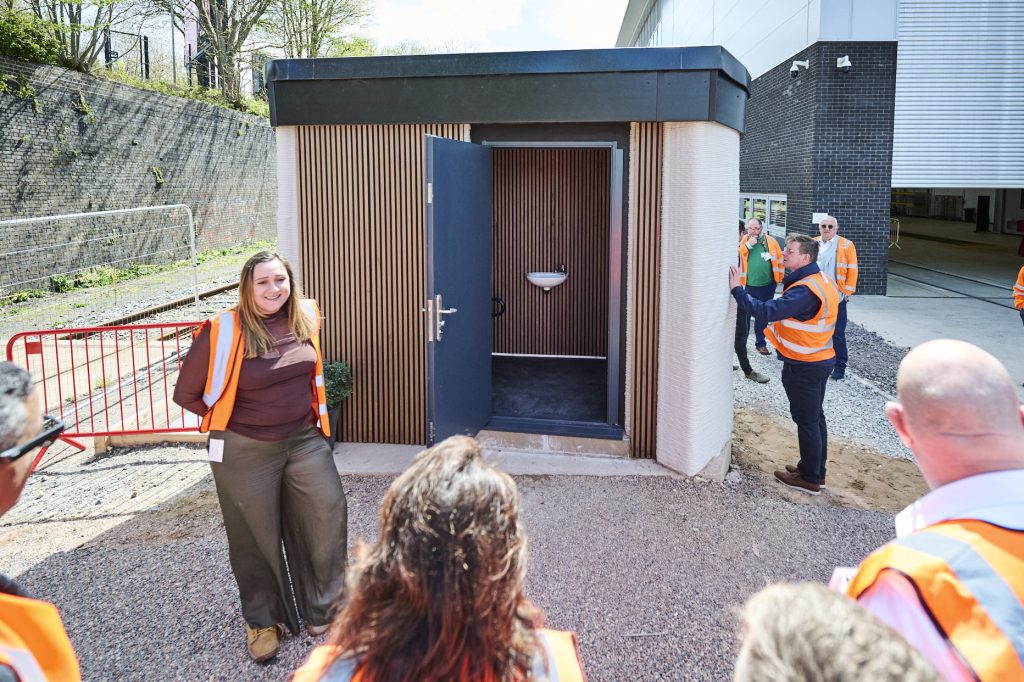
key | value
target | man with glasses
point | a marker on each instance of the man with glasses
(837, 258)
(801, 325)
(33, 643)
(761, 269)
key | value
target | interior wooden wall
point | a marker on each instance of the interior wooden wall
(645, 220)
(361, 230)
(551, 206)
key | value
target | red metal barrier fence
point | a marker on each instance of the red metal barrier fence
(108, 381)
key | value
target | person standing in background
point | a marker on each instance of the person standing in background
(743, 331)
(837, 258)
(760, 271)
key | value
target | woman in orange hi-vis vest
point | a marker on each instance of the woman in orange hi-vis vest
(255, 375)
(439, 595)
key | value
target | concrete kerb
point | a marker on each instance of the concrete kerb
(371, 458)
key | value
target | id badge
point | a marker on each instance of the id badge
(215, 450)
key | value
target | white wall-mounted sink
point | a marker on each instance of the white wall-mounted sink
(546, 280)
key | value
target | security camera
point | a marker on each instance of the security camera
(844, 64)
(794, 70)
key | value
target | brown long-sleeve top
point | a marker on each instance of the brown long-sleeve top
(274, 399)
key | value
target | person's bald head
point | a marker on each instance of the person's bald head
(958, 411)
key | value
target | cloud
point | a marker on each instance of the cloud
(439, 22)
(494, 25)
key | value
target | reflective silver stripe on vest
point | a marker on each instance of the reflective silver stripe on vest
(24, 664)
(319, 380)
(806, 350)
(221, 358)
(988, 588)
(1017, 287)
(807, 326)
(323, 409)
(551, 674)
(848, 266)
(341, 670)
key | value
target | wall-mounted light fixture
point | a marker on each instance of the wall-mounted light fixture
(794, 70)
(844, 64)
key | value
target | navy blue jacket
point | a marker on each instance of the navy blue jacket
(798, 303)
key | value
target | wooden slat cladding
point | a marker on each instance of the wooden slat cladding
(645, 190)
(361, 232)
(551, 207)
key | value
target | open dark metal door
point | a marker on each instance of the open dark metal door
(458, 305)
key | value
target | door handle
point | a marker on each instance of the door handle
(440, 310)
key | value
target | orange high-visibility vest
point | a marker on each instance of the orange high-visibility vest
(809, 341)
(227, 350)
(778, 271)
(560, 651)
(1018, 291)
(969, 576)
(846, 265)
(33, 642)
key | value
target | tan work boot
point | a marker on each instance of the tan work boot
(263, 643)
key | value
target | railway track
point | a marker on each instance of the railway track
(968, 287)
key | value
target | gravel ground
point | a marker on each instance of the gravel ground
(647, 570)
(854, 407)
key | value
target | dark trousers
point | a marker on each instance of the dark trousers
(839, 340)
(762, 293)
(740, 342)
(283, 503)
(805, 387)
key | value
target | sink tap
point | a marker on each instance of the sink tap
(560, 268)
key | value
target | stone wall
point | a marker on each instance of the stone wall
(90, 144)
(825, 140)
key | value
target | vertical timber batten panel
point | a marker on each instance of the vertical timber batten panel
(361, 248)
(645, 205)
(550, 207)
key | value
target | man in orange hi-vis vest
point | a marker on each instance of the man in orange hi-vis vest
(801, 325)
(33, 643)
(952, 583)
(1018, 294)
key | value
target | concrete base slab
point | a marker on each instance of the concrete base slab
(370, 458)
(574, 445)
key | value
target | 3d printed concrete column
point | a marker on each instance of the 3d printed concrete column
(700, 186)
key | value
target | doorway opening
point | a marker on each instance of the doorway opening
(555, 340)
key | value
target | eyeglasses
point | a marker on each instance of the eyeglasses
(827, 227)
(52, 428)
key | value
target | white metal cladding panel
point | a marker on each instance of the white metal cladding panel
(700, 182)
(959, 119)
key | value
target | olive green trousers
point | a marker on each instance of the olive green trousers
(287, 525)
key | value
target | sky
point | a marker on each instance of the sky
(497, 25)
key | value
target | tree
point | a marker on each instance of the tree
(79, 26)
(309, 28)
(224, 30)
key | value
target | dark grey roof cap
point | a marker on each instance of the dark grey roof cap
(620, 84)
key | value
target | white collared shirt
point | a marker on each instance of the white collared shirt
(996, 498)
(827, 256)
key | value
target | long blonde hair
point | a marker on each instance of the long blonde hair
(254, 332)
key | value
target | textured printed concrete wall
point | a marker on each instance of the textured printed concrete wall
(697, 318)
(58, 160)
(825, 140)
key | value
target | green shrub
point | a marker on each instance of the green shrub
(337, 382)
(24, 36)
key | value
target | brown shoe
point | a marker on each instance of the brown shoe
(763, 350)
(263, 643)
(317, 630)
(793, 470)
(797, 482)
